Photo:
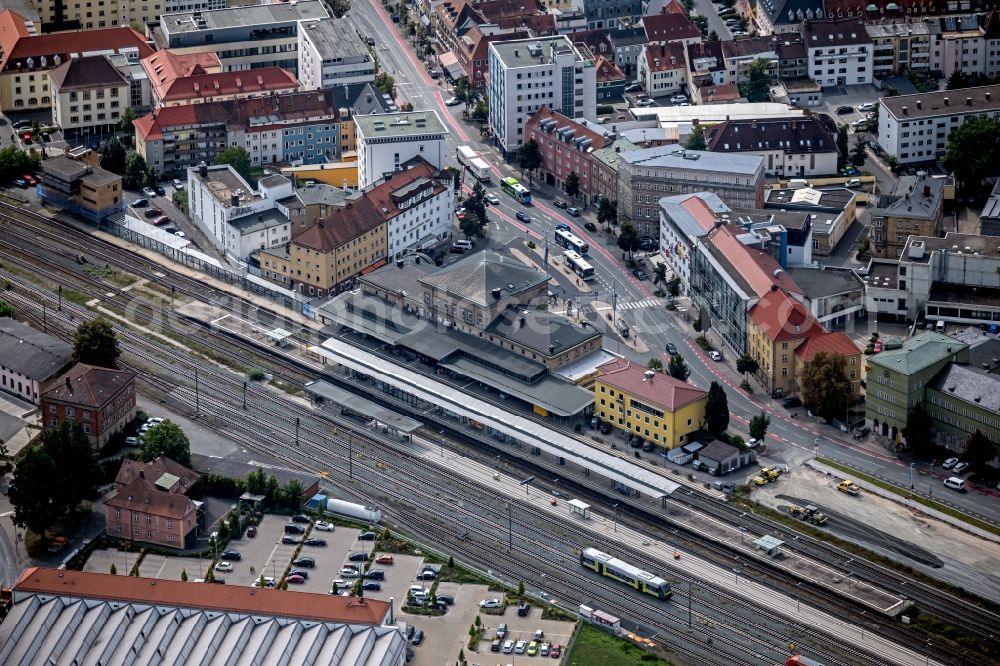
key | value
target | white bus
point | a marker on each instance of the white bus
(570, 241)
(579, 265)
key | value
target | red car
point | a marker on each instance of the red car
(878, 347)
(252, 531)
(555, 651)
(29, 179)
(295, 580)
(384, 559)
(153, 212)
(161, 220)
(26, 137)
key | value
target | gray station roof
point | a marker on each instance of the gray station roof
(359, 405)
(30, 352)
(519, 427)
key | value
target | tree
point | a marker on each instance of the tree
(127, 121)
(674, 286)
(520, 589)
(747, 364)
(184, 575)
(842, 139)
(660, 272)
(607, 212)
(95, 343)
(919, 431)
(180, 199)
(825, 387)
(339, 8)
(757, 86)
(677, 368)
(970, 150)
(273, 490)
(572, 185)
(113, 156)
(716, 410)
(77, 473)
(385, 83)
(14, 162)
(135, 171)
(461, 89)
(956, 80)
(655, 364)
(457, 180)
(451, 561)
(166, 439)
(6, 310)
(291, 493)
(713, 36)
(628, 239)
(979, 450)
(113, 570)
(696, 139)
(482, 111)
(858, 154)
(758, 426)
(238, 158)
(469, 225)
(476, 203)
(256, 482)
(529, 157)
(35, 493)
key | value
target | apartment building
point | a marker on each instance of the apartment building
(627, 44)
(840, 52)
(959, 45)
(26, 57)
(915, 128)
(670, 27)
(245, 37)
(472, 50)
(780, 17)
(652, 406)
(386, 141)
(740, 54)
(197, 78)
(604, 169)
(29, 360)
(237, 218)
(706, 66)
(662, 69)
(331, 54)
(611, 81)
(299, 127)
(88, 96)
(97, 14)
(611, 13)
(528, 74)
(645, 176)
(142, 512)
(792, 147)
(901, 47)
(82, 189)
(101, 400)
(327, 258)
(777, 325)
(566, 147)
(417, 206)
(914, 208)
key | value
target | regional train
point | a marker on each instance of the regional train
(623, 572)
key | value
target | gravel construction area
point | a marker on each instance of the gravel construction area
(894, 530)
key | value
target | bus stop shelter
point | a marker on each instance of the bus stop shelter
(579, 508)
(770, 545)
(323, 394)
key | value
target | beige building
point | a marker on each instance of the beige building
(26, 58)
(915, 208)
(95, 14)
(327, 257)
(88, 96)
(78, 187)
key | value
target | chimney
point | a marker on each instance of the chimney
(399, 263)
(968, 101)
(920, 104)
(142, 474)
(496, 294)
(927, 190)
(69, 386)
(417, 259)
(987, 95)
(905, 111)
(203, 169)
(946, 101)
(234, 200)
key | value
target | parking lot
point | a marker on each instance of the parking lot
(398, 578)
(170, 568)
(556, 632)
(445, 635)
(329, 559)
(260, 552)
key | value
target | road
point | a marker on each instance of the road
(789, 438)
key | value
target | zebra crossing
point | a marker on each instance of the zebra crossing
(636, 305)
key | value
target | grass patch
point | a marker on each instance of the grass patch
(74, 297)
(902, 492)
(595, 647)
(287, 388)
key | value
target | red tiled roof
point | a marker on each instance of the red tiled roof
(17, 45)
(674, 7)
(831, 343)
(669, 26)
(89, 385)
(660, 389)
(700, 211)
(152, 471)
(758, 268)
(381, 195)
(342, 225)
(663, 57)
(256, 81)
(142, 496)
(235, 598)
(724, 92)
(781, 317)
(582, 132)
(607, 71)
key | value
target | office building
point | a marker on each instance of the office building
(566, 147)
(88, 96)
(832, 211)
(80, 188)
(527, 74)
(386, 141)
(331, 54)
(791, 148)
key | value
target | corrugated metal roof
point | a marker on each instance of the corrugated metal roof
(919, 352)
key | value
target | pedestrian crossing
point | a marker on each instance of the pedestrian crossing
(648, 303)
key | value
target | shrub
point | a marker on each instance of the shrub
(256, 375)
(605, 110)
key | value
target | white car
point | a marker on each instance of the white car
(268, 582)
(714, 355)
(645, 101)
(323, 526)
(519, 647)
(866, 107)
(348, 573)
(224, 566)
(453, 101)
(178, 184)
(153, 420)
(949, 463)
(490, 603)
(180, 234)
(493, 199)
(859, 123)
(959, 468)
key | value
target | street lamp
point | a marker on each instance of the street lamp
(615, 507)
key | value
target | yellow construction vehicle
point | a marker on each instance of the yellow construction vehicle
(848, 487)
(809, 513)
(759, 480)
(770, 473)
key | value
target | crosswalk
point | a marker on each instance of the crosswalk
(636, 305)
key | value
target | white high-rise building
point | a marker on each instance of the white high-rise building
(332, 54)
(527, 74)
(387, 140)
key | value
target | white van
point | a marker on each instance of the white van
(940, 326)
(797, 183)
(955, 483)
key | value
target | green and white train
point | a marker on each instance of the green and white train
(623, 572)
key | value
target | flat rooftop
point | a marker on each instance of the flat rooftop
(882, 275)
(250, 16)
(821, 283)
(223, 182)
(987, 246)
(676, 157)
(964, 295)
(335, 39)
(532, 52)
(810, 198)
(398, 125)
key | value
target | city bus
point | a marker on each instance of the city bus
(516, 190)
(579, 265)
(570, 241)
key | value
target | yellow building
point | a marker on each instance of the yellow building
(339, 174)
(327, 257)
(652, 405)
(92, 14)
(777, 325)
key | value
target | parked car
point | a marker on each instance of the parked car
(490, 603)
(348, 572)
(383, 559)
(252, 531)
(849, 171)
(427, 575)
(375, 574)
(131, 441)
(852, 183)
(532, 648)
(26, 137)
(633, 87)
(290, 540)
(268, 582)
(866, 107)
(295, 580)
(233, 555)
(301, 518)
(159, 191)
(223, 566)
(959, 468)
(292, 528)
(859, 123)
(502, 630)
(949, 463)
(140, 203)
(371, 585)
(590, 226)
(519, 647)
(495, 645)
(714, 355)
(367, 536)
(161, 220)
(28, 178)
(178, 184)
(418, 637)
(446, 599)
(299, 572)
(315, 541)
(639, 274)
(845, 109)
(357, 557)
(323, 526)
(153, 212)
(452, 101)
(304, 562)
(573, 212)
(791, 403)
(559, 203)
(149, 192)
(524, 217)
(369, 40)
(508, 647)
(555, 651)
(644, 101)
(523, 609)
(21, 182)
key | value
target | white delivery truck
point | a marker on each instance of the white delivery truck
(480, 169)
(466, 155)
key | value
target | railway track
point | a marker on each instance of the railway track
(195, 289)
